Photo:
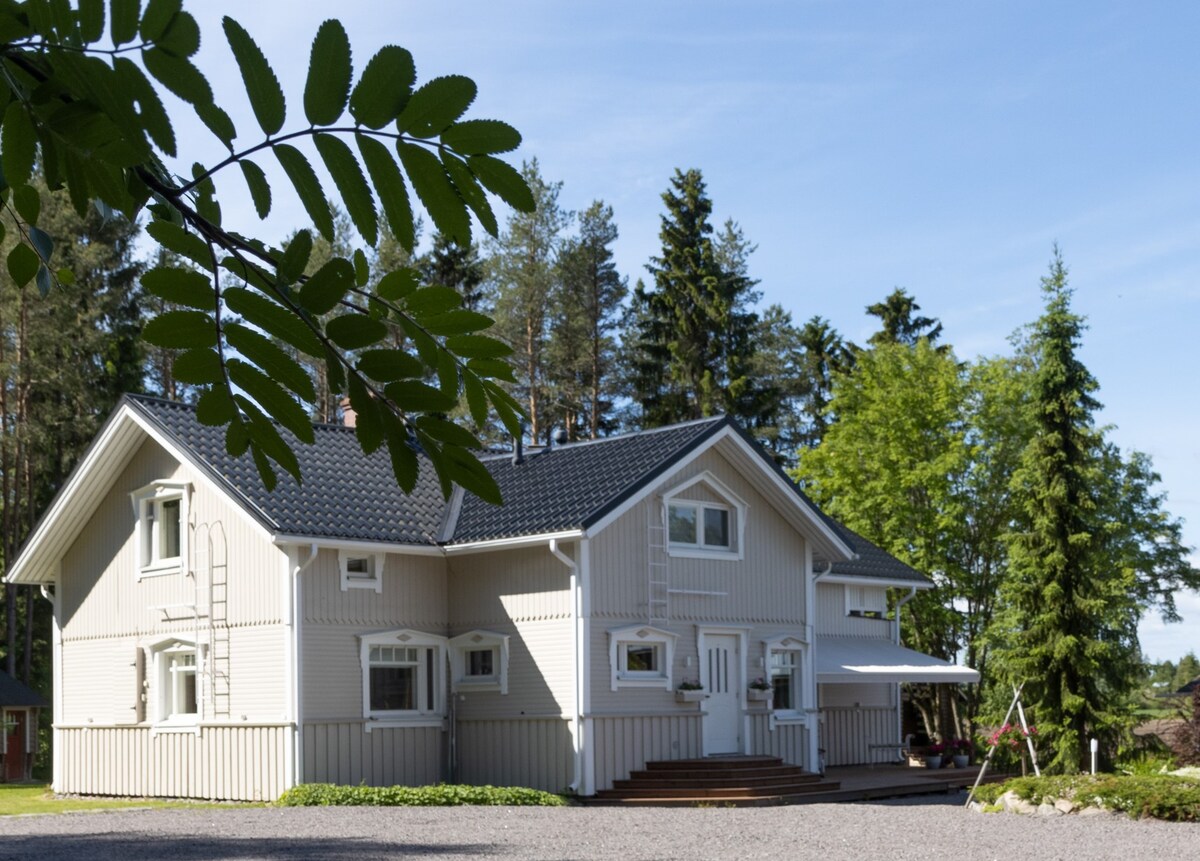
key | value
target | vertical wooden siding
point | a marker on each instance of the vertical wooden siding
(848, 732)
(831, 619)
(789, 742)
(534, 752)
(343, 752)
(624, 743)
(228, 763)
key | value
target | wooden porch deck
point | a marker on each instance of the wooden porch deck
(865, 782)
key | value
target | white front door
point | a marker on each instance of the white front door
(723, 718)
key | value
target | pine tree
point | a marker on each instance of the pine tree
(697, 315)
(524, 271)
(585, 305)
(1069, 630)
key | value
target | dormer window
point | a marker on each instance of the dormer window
(161, 532)
(361, 570)
(704, 518)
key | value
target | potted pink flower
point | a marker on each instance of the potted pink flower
(960, 751)
(934, 754)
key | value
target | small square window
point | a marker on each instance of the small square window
(481, 663)
(682, 524)
(641, 659)
(361, 570)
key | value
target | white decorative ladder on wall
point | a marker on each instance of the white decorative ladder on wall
(212, 569)
(658, 569)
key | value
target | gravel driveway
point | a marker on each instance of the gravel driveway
(934, 827)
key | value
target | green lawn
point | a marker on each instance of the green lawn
(16, 799)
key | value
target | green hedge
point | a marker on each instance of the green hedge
(1156, 796)
(444, 795)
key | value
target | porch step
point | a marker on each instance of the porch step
(743, 780)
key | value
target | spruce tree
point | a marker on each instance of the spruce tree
(457, 266)
(899, 326)
(1069, 628)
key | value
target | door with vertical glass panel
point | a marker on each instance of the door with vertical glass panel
(722, 668)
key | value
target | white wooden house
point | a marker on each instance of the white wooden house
(215, 640)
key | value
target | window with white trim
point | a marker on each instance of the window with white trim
(704, 527)
(479, 661)
(161, 532)
(177, 667)
(785, 670)
(641, 656)
(868, 602)
(403, 676)
(361, 570)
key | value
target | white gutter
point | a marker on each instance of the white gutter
(512, 543)
(56, 682)
(577, 717)
(353, 544)
(293, 616)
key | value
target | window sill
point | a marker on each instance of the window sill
(478, 684)
(414, 722)
(178, 725)
(159, 569)
(685, 552)
(644, 682)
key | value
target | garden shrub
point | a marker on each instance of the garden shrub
(1156, 796)
(442, 795)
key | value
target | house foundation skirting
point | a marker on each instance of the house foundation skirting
(228, 763)
(788, 741)
(848, 732)
(523, 751)
(344, 752)
(624, 743)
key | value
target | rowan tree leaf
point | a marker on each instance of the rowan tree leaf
(362, 268)
(276, 321)
(389, 365)
(186, 244)
(91, 20)
(435, 105)
(23, 264)
(433, 187)
(457, 322)
(217, 122)
(265, 438)
(200, 367)
(265, 471)
(262, 87)
(466, 470)
(417, 397)
(123, 23)
(428, 301)
(397, 284)
(481, 137)
(506, 408)
(329, 72)
(18, 144)
(326, 287)
(157, 17)
(348, 177)
(477, 401)
(267, 355)
(178, 75)
(181, 287)
(447, 432)
(295, 257)
(181, 330)
(215, 407)
(151, 112)
(307, 186)
(368, 424)
(354, 331)
(335, 372)
(389, 185)
(503, 180)
(260, 190)
(477, 347)
(469, 190)
(237, 438)
(404, 460)
(384, 88)
(182, 36)
(272, 398)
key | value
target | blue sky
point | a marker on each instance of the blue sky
(938, 146)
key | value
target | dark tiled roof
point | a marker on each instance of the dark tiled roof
(344, 494)
(872, 561)
(348, 495)
(574, 486)
(15, 693)
(1190, 687)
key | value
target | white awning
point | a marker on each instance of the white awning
(841, 660)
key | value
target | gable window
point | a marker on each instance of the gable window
(403, 677)
(868, 602)
(704, 527)
(361, 570)
(641, 656)
(161, 510)
(479, 661)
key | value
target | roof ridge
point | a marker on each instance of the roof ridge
(531, 450)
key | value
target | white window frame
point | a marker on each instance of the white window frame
(479, 640)
(433, 712)
(619, 641)
(148, 504)
(861, 600)
(163, 684)
(731, 503)
(797, 645)
(356, 581)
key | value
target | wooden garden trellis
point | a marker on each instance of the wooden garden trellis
(987, 760)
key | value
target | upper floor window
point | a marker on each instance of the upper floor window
(161, 510)
(868, 602)
(704, 518)
(361, 570)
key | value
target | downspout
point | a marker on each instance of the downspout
(56, 685)
(293, 617)
(813, 711)
(912, 592)
(577, 717)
